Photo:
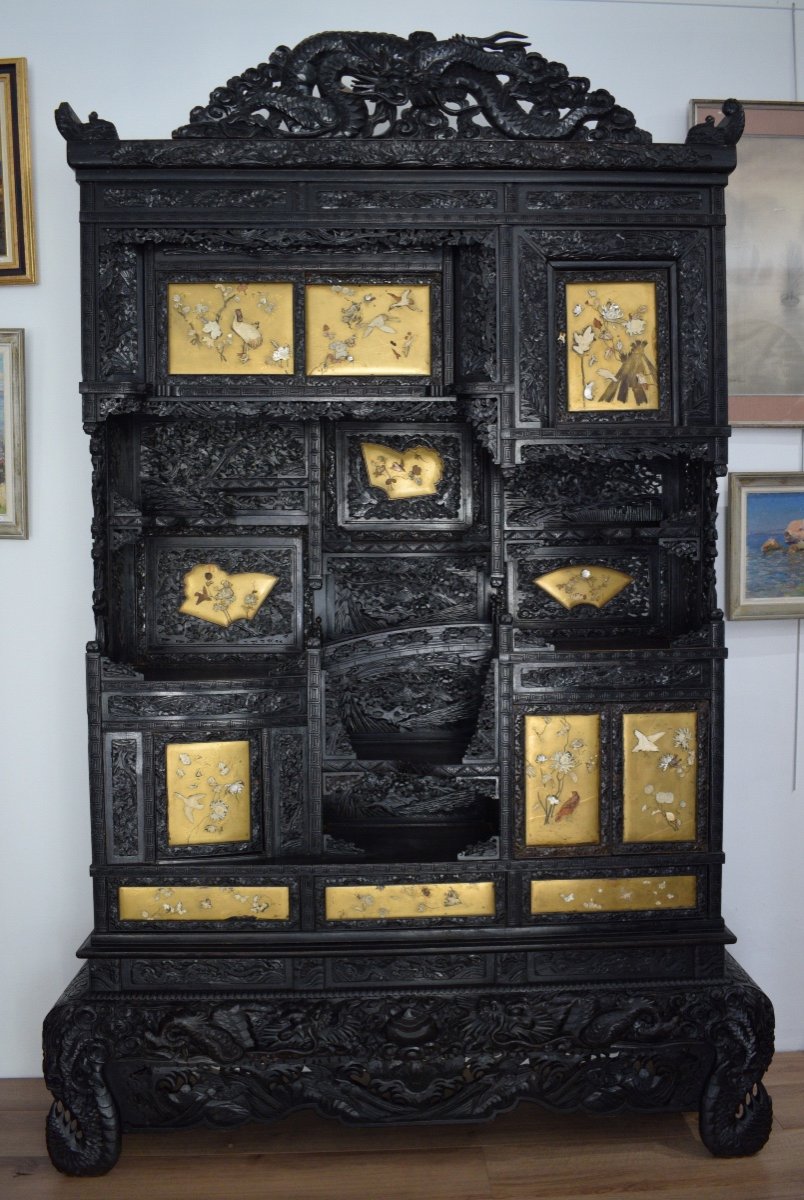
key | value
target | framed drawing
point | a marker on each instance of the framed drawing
(765, 264)
(13, 483)
(766, 545)
(17, 259)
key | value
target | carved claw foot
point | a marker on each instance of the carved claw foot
(734, 1122)
(82, 1130)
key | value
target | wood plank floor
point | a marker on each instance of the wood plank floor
(525, 1155)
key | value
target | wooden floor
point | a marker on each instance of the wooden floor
(525, 1155)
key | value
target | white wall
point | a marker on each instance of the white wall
(144, 66)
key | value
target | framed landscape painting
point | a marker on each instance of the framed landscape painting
(766, 545)
(17, 259)
(13, 490)
(765, 264)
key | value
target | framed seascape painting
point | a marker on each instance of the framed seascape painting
(766, 545)
(13, 489)
(17, 259)
(765, 264)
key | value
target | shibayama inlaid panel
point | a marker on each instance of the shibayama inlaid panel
(660, 776)
(562, 779)
(229, 327)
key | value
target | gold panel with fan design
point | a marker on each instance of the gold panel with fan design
(403, 474)
(212, 594)
(584, 584)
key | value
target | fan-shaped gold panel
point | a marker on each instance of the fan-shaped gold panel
(584, 584)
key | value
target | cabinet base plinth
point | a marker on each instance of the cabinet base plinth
(393, 1055)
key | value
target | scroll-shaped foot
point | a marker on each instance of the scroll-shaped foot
(734, 1121)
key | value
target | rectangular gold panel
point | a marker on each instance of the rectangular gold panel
(398, 901)
(227, 328)
(208, 792)
(611, 347)
(633, 894)
(562, 779)
(660, 780)
(367, 329)
(203, 903)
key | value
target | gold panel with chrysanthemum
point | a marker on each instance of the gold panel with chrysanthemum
(562, 779)
(660, 776)
(612, 346)
(220, 597)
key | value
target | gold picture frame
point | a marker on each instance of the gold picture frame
(612, 346)
(230, 327)
(764, 263)
(368, 328)
(17, 248)
(13, 465)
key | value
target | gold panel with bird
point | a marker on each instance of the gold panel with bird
(562, 779)
(208, 792)
(660, 777)
(409, 901)
(229, 328)
(611, 345)
(584, 584)
(367, 329)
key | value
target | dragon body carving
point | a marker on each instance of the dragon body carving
(364, 85)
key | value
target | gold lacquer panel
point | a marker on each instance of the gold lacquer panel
(584, 584)
(403, 474)
(562, 779)
(632, 894)
(660, 777)
(230, 328)
(203, 903)
(611, 347)
(367, 329)
(405, 901)
(212, 594)
(208, 792)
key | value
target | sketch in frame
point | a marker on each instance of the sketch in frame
(367, 328)
(765, 264)
(228, 327)
(17, 250)
(766, 545)
(611, 346)
(13, 467)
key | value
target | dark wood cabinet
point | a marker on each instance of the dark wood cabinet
(404, 376)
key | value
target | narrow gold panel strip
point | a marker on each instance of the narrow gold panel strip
(562, 779)
(203, 903)
(409, 900)
(660, 766)
(638, 893)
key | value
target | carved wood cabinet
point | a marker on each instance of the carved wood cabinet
(404, 376)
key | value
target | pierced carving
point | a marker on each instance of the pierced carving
(288, 760)
(124, 763)
(391, 591)
(364, 85)
(118, 296)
